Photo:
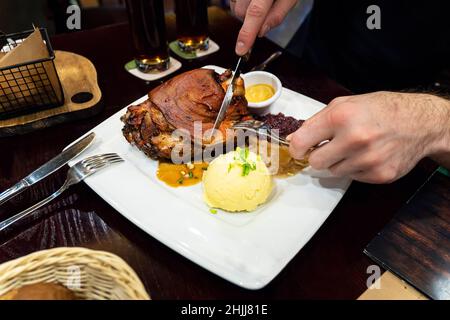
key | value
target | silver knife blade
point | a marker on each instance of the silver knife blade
(47, 168)
(226, 100)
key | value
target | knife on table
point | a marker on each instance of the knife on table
(48, 168)
(228, 96)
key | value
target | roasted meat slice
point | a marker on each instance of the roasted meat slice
(194, 96)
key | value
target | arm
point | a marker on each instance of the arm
(442, 151)
(259, 17)
(376, 137)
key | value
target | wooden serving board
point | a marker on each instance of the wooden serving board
(81, 92)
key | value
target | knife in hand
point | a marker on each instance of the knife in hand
(228, 96)
(48, 168)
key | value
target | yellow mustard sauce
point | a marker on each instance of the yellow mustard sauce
(259, 92)
(181, 175)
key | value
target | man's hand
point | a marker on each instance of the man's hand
(259, 17)
(376, 137)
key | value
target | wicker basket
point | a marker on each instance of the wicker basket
(90, 274)
(31, 85)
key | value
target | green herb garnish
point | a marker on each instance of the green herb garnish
(213, 211)
(180, 181)
(243, 154)
(246, 169)
(241, 157)
(191, 175)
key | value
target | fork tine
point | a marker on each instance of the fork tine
(97, 166)
(255, 124)
(102, 162)
(247, 129)
(108, 160)
(105, 159)
(116, 161)
(108, 155)
(100, 157)
(93, 158)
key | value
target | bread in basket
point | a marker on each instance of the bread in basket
(90, 274)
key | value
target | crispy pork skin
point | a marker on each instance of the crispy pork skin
(177, 104)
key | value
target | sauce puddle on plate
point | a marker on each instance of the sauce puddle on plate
(287, 165)
(181, 175)
(284, 165)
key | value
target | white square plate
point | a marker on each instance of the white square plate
(248, 249)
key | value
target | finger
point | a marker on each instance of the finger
(328, 155)
(369, 176)
(232, 6)
(346, 168)
(277, 13)
(240, 8)
(315, 130)
(339, 100)
(363, 176)
(357, 163)
(254, 18)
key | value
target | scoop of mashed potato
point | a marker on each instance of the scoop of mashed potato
(237, 181)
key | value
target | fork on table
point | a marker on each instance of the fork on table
(77, 173)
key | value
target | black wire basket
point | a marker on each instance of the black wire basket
(30, 86)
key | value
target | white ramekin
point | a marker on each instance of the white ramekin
(262, 77)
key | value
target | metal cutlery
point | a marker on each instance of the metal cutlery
(228, 95)
(261, 129)
(48, 168)
(77, 173)
(264, 64)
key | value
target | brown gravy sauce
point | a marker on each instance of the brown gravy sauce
(286, 167)
(181, 175)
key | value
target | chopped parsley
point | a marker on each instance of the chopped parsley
(180, 181)
(213, 211)
(191, 175)
(241, 158)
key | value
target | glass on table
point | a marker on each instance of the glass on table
(192, 24)
(148, 28)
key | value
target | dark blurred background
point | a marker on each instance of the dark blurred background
(19, 15)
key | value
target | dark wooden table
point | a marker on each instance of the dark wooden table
(331, 266)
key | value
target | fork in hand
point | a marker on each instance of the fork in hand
(262, 129)
(77, 173)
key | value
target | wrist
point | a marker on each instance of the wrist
(438, 110)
